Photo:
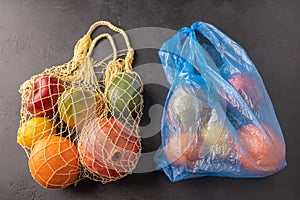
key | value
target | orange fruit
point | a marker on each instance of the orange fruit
(264, 153)
(182, 149)
(54, 162)
(186, 149)
(35, 129)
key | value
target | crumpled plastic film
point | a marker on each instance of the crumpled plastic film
(218, 118)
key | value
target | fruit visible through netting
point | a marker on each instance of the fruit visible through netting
(54, 162)
(76, 106)
(109, 149)
(124, 96)
(41, 93)
(34, 130)
(71, 104)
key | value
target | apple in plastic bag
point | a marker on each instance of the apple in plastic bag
(42, 95)
(247, 87)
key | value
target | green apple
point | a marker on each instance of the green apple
(124, 95)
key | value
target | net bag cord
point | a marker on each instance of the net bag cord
(120, 65)
(97, 143)
(87, 74)
(67, 71)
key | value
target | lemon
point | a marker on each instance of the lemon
(34, 130)
(216, 139)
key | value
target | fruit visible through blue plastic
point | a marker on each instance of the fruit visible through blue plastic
(186, 110)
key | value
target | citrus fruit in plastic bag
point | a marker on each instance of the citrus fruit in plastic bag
(54, 162)
(263, 153)
(35, 129)
(124, 95)
(108, 148)
(214, 138)
(76, 106)
(182, 149)
(42, 94)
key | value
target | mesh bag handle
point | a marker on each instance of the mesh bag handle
(87, 76)
(97, 39)
(130, 51)
(109, 146)
(114, 67)
(68, 71)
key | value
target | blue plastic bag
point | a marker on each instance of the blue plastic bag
(218, 119)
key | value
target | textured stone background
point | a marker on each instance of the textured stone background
(35, 34)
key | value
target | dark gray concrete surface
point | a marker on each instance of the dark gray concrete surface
(35, 34)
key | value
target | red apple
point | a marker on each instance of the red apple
(42, 95)
(264, 153)
(247, 87)
(109, 149)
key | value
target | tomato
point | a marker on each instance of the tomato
(76, 106)
(263, 153)
(42, 95)
(124, 95)
(34, 130)
(108, 148)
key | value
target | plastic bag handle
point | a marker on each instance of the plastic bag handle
(213, 35)
(224, 45)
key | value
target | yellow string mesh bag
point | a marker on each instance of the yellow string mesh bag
(109, 145)
(53, 159)
(39, 116)
(53, 155)
(59, 104)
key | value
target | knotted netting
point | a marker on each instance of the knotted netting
(109, 145)
(81, 115)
